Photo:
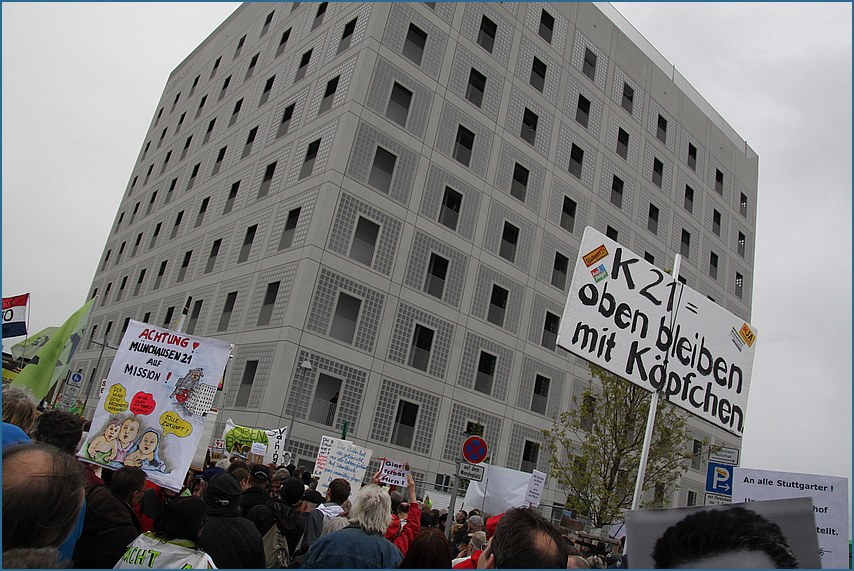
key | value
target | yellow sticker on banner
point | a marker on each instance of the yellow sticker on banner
(747, 335)
(115, 401)
(596, 255)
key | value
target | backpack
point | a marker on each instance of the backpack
(276, 550)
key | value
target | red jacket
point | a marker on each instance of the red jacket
(471, 562)
(403, 537)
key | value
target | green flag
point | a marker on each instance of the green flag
(31, 345)
(51, 362)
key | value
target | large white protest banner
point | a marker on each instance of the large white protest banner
(830, 504)
(500, 490)
(633, 319)
(326, 444)
(151, 415)
(241, 439)
(348, 461)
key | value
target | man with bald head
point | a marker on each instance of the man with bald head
(42, 496)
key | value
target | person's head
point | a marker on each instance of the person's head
(128, 431)
(729, 537)
(33, 558)
(310, 500)
(276, 481)
(372, 509)
(236, 464)
(42, 496)
(292, 491)
(306, 478)
(128, 484)
(182, 518)
(477, 540)
(595, 562)
(339, 491)
(259, 475)
(59, 428)
(429, 550)
(525, 539)
(242, 475)
(475, 523)
(19, 407)
(396, 499)
(223, 491)
(461, 516)
(577, 561)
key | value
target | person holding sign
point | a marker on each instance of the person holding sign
(403, 535)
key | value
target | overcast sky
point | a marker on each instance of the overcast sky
(81, 83)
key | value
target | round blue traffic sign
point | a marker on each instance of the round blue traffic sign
(474, 449)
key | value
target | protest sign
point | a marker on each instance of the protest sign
(326, 444)
(500, 490)
(394, 472)
(535, 487)
(152, 413)
(241, 440)
(633, 319)
(198, 462)
(348, 461)
(830, 505)
(720, 528)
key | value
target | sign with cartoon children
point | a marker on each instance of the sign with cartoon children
(151, 415)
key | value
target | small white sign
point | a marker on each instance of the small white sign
(394, 472)
(717, 499)
(535, 487)
(725, 456)
(258, 448)
(471, 471)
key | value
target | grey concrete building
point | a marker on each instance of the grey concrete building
(383, 201)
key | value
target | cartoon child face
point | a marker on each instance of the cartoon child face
(112, 431)
(148, 443)
(130, 428)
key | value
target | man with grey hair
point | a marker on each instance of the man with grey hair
(361, 544)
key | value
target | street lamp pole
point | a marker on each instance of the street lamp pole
(104, 344)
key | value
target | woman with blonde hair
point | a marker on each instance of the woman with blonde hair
(19, 407)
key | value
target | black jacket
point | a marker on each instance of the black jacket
(109, 526)
(232, 541)
(279, 513)
(252, 497)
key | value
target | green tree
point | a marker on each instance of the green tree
(595, 448)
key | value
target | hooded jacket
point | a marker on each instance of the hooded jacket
(110, 525)
(232, 541)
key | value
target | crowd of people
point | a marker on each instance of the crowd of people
(60, 512)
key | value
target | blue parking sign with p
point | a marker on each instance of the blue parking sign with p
(719, 479)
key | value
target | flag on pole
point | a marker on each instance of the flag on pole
(51, 362)
(31, 345)
(15, 315)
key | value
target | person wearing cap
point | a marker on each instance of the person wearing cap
(256, 493)
(230, 539)
(470, 553)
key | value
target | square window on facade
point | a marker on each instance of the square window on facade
(529, 126)
(567, 214)
(713, 265)
(688, 201)
(576, 160)
(612, 233)
(685, 244)
(364, 241)
(463, 145)
(398, 104)
(509, 241)
(285, 123)
(267, 21)
(303, 65)
(716, 223)
(345, 318)
(437, 271)
(283, 42)
(229, 200)
(182, 271)
(485, 376)
(194, 316)
(628, 100)
(250, 140)
(652, 219)
(589, 66)
(649, 257)
(742, 205)
(252, 64)
(382, 170)
(449, 212)
(547, 26)
(657, 172)
(318, 18)
(719, 181)
(264, 189)
(475, 87)
(246, 247)
(538, 74)
(246, 382)
(530, 455)
(310, 156)
(740, 245)
(240, 43)
(519, 185)
(268, 87)
(661, 131)
(623, 144)
(739, 285)
(329, 95)
(541, 394)
(202, 209)
(692, 157)
(422, 343)
(413, 46)
(403, 432)
(497, 305)
(486, 34)
(559, 271)
(224, 89)
(212, 256)
(617, 191)
(234, 114)
(289, 230)
(346, 36)
(582, 111)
